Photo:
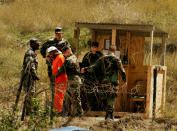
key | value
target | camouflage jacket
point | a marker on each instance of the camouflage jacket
(107, 68)
(70, 67)
(30, 63)
(52, 42)
(90, 58)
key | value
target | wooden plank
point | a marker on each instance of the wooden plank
(128, 43)
(120, 104)
(136, 69)
(163, 51)
(137, 73)
(151, 47)
(114, 36)
(133, 33)
(136, 50)
(164, 89)
(158, 101)
(149, 96)
(93, 35)
(160, 92)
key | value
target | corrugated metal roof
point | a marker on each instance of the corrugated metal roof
(125, 27)
(114, 24)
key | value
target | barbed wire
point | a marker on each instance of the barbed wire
(92, 88)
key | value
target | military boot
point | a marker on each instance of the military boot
(109, 115)
(106, 116)
(112, 115)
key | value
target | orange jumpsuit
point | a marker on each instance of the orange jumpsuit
(60, 83)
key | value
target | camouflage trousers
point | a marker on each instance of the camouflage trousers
(108, 95)
(100, 97)
(29, 88)
(72, 102)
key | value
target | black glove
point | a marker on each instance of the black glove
(36, 78)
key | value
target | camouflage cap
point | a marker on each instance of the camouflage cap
(112, 48)
(34, 41)
(66, 48)
(58, 30)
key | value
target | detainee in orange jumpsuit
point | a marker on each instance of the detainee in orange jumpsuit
(60, 81)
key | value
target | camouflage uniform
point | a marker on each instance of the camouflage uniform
(107, 69)
(59, 44)
(30, 65)
(72, 102)
(89, 81)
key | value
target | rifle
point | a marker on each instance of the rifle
(52, 84)
(19, 92)
(25, 101)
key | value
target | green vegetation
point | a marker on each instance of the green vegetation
(23, 19)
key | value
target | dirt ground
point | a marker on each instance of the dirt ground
(130, 122)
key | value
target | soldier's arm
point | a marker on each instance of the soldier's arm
(85, 62)
(44, 48)
(31, 68)
(100, 54)
(94, 67)
(121, 70)
(62, 69)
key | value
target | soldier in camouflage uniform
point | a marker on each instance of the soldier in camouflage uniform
(29, 72)
(58, 42)
(90, 78)
(107, 68)
(72, 102)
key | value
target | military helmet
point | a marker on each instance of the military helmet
(58, 30)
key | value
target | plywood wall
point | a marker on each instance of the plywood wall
(121, 101)
(136, 50)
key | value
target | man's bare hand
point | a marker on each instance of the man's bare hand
(82, 70)
(124, 85)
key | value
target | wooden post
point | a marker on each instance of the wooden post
(93, 35)
(114, 36)
(151, 43)
(77, 41)
(128, 45)
(163, 51)
(149, 92)
(127, 72)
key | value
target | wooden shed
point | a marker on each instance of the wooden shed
(146, 83)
